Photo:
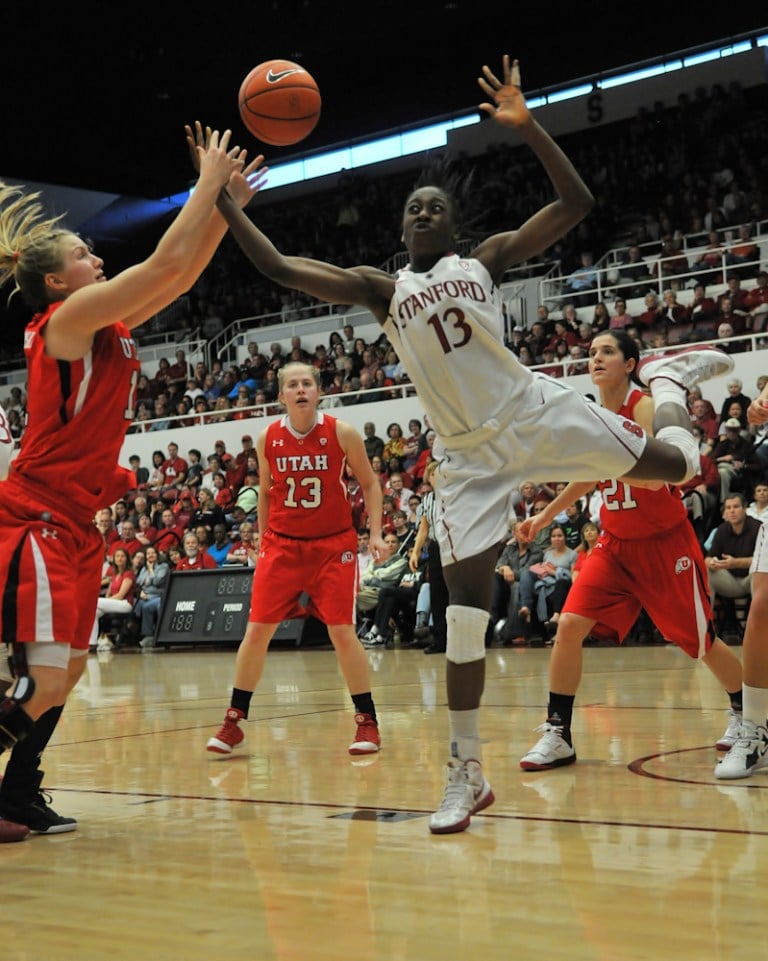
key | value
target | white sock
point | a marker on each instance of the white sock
(665, 391)
(755, 704)
(465, 735)
(685, 442)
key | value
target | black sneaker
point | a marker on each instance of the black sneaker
(35, 811)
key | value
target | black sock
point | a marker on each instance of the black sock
(21, 772)
(241, 700)
(737, 703)
(560, 712)
(364, 704)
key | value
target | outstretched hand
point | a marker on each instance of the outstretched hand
(530, 527)
(757, 412)
(509, 107)
(245, 181)
(377, 547)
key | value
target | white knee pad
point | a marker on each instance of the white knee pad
(686, 443)
(466, 633)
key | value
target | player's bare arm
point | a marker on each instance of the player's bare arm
(265, 474)
(422, 533)
(243, 185)
(757, 412)
(531, 526)
(352, 444)
(101, 302)
(574, 199)
(360, 286)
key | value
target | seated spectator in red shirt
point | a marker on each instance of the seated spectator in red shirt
(169, 533)
(562, 332)
(417, 471)
(725, 314)
(180, 371)
(701, 308)
(128, 540)
(119, 596)
(650, 317)
(146, 534)
(105, 524)
(174, 469)
(184, 508)
(548, 360)
(737, 294)
(399, 489)
(756, 302)
(194, 558)
(223, 496)
(356, 500)
(701, 415)
(160, 379)
(388, 506)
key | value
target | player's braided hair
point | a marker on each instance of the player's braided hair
(446, 174)
(29, 244)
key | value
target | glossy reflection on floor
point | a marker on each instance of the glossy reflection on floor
(292, 850)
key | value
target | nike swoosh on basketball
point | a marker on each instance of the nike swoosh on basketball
(276, 77)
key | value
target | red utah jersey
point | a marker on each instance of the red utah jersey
(307, 494)
(78, 413)
(631, 512)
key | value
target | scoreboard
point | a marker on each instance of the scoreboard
(211, 607)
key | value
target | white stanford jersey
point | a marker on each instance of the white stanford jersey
(445, 325)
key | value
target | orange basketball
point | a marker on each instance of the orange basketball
(279, 102)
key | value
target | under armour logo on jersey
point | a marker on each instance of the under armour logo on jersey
(682, 564)
(278, 443)
(47, 532)
(323, 441)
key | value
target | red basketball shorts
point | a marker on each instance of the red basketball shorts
(289, 569)
(664, 574)
(50, 573)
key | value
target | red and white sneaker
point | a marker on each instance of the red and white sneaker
(367, 739)
(686, 367)
(466, 793)
(229, 736)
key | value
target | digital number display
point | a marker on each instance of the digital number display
(205, 606)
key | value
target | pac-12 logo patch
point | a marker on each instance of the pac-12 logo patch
(682, 564)
(347, 557)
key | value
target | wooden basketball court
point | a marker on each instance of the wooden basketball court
(293, 850)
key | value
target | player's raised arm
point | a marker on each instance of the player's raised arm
(574, 199)
(314, 277)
